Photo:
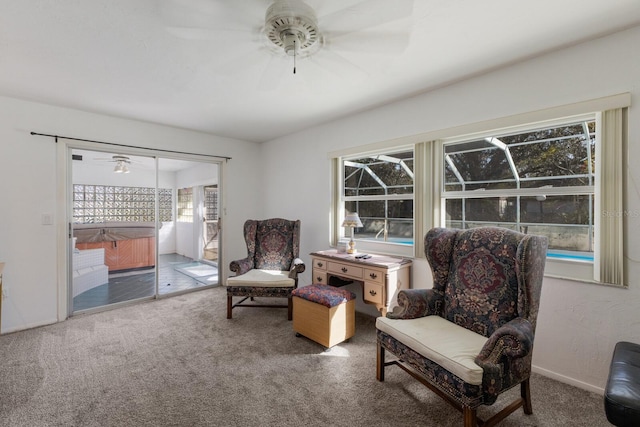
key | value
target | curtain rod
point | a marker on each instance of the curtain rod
(127, 146)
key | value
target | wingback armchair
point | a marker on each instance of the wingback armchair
(470, 337)
(271, 267)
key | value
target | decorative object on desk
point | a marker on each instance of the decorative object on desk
(342, 246)
(352, 220)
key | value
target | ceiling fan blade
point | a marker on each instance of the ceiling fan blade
(199, 19)
(201, 33)
(247, 59)
(368, 42)
(186, 13)
(366, 14)
(274, 71)
(337, 65)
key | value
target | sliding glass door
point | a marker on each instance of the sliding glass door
(142, 227)
(113, 228)
(188, 246)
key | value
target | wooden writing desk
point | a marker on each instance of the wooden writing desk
(380, 276)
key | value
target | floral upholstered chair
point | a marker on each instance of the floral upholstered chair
(271, 267)
(470, 337)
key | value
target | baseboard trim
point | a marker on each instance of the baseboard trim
(21, 328)
(567, 380)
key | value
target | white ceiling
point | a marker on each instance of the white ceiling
(202, 64)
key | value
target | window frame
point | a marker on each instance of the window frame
(368, 245)
(557, 266)
(184, 205)
(428, 212)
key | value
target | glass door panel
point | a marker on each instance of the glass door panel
(188, 244)
(113, 229)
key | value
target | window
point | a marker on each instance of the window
(211, 203)
(104, 203)
(558, 172)
(539, 181)
(379, 187)
(185, 205)
(562, 180)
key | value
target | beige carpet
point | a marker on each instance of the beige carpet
(180, 362)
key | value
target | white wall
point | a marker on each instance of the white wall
(29, 171)
(579, 323)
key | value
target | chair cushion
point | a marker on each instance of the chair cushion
(264, 278)
(327, 295)
(445, 343)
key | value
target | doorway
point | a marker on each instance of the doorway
(131, 237)
(211, 222)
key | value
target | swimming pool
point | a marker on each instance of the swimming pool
(555, 254)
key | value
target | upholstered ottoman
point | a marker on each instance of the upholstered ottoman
(324, 314)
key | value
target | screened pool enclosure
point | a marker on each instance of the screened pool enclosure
(538, 181)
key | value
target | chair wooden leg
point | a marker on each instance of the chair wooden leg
(470, 417)
(290, 308)
(525, 392)
(380, 363)
(229, 306)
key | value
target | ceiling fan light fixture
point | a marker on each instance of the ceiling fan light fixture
(293, 27)
(121, 167)
(291, 44)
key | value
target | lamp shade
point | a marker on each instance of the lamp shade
(119, 168)
(352, 220)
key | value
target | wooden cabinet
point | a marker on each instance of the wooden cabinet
(380, 276)
(125, 254)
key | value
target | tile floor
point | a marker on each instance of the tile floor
(140, 284)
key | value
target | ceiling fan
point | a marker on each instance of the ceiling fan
(292, 28)
(122, 163)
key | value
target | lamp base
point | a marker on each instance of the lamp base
(352, 248)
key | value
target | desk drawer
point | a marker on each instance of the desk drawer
(372, 275)
(319, 276)
(372, 292)
(319, 264)
(347, 270)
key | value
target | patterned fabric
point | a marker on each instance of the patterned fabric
(272, 244)
(259, 291)
(326, 295)
(487, 280)
(464, 393)
(482, 291)
(413, 303)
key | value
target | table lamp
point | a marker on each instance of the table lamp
(352, 220)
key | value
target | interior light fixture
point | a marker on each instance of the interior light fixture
(121, 167)
(352, 220)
